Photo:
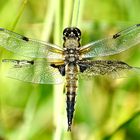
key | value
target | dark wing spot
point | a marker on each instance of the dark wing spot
(25, 38)
(138, 24)
(31, 62)
(116, 36)
(109, 62)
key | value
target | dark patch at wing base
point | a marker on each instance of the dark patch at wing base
(61, 68)
(83, 67)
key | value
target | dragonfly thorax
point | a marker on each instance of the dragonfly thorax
(71, 50)
(71, 44)
(71, 55)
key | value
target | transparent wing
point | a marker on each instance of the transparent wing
(28, 47)
(35, 71)
(117, 43)
(114, 69)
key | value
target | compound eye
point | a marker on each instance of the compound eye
(66, 32)
(71, 32)
(78, 32)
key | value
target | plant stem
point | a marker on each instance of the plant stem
(67, 14)
(58, 89)
(22, 7)
(29, 112)
(75, 13)
(48, 22)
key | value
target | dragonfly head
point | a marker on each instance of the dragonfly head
(71, 32)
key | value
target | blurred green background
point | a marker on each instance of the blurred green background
(106, 109)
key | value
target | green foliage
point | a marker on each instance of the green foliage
(106, 109)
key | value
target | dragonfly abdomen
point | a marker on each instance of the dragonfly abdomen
(71, 85)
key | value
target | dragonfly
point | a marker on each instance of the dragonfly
(53, 64)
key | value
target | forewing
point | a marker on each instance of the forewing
(113, 69)
(35, 71)
(28, 47)
(115, 44)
